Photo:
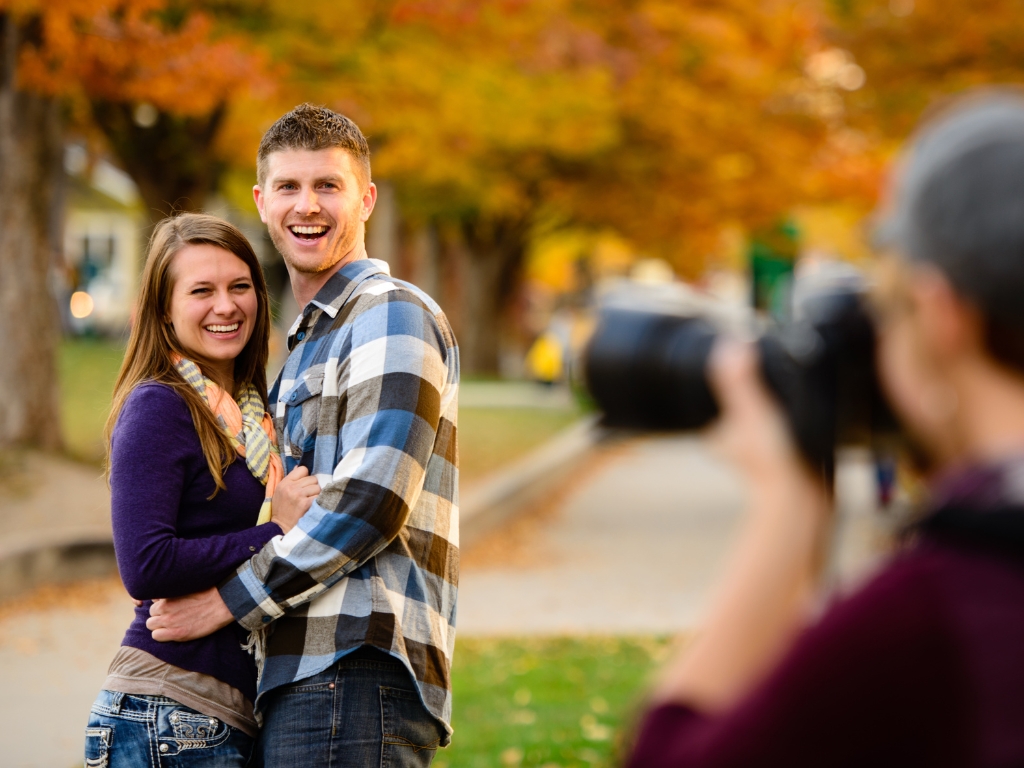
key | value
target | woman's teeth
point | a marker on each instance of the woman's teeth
(222, 328)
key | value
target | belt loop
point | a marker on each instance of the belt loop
(115, 701)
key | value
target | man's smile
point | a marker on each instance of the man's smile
(309, 232)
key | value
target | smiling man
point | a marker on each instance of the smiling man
(354, 607)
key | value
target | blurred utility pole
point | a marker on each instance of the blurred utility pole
(31, 166)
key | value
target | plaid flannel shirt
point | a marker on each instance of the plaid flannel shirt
(367, 401)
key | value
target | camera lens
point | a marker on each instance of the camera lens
(648, 371)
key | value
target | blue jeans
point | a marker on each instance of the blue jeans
(362, 712)
(128, 730)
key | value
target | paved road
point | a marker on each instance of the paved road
(630, 545)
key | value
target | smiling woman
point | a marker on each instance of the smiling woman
(190, 399)
(213, 308)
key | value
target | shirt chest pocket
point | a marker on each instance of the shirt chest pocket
(302, 414)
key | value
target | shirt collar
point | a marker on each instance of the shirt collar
(336, 291)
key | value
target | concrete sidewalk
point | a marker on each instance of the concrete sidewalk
(56, 518)
(634, 544)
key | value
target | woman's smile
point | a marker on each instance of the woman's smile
(213, 308)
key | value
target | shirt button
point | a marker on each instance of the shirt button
(252, 549)
(266, 619)
(300, 335)
(164, 747)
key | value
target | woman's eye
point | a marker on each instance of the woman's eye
(242, 286)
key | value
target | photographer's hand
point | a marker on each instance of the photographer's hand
(761, 600)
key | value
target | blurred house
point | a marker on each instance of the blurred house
(103, 232)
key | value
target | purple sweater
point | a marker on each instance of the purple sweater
(924, 666)
(170, 538)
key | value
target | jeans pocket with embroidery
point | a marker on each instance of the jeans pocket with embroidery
(97, 746)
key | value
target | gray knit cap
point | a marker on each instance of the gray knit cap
(959, 201)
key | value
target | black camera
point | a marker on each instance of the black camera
(648, 370)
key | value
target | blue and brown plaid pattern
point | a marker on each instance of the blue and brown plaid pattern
(368, 402)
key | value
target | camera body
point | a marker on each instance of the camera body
(649, 370)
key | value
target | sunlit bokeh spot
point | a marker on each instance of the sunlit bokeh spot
(901, 8)
(81, 304)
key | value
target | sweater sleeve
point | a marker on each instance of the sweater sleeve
(153, 455)
(878, 681)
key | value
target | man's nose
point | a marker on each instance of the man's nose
(308, 202)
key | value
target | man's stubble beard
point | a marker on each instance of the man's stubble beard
(344, 246)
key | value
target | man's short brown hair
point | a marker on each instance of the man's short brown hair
(313, 127)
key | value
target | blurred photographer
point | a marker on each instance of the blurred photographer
(924, 664)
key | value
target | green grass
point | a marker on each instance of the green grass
(541, 703)
(87, 368)
(488, 437)
(491, 437)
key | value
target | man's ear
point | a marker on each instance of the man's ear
(369, 201)
(257, 195)
(950, 325)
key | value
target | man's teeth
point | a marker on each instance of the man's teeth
(309, 230)
(222, 328)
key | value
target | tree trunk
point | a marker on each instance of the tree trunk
(169, 157)
(424, 259)
(494, 251)
(382, 236)
(31, 156)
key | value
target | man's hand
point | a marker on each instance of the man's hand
(188, 618)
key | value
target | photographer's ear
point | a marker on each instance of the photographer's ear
(950, 327)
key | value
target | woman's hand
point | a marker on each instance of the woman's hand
(293, 496)
(761, 598)
(752, 432)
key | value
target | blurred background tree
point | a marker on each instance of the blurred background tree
(672, 124)
(916, 52)
(665, 121)
(153, 79)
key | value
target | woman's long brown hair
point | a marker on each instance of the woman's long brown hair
(153, 342)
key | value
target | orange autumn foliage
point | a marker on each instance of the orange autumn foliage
(663, 119)
(168, 55)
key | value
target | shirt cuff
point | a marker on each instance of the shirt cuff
(248, 599)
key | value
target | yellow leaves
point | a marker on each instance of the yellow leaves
(733, 167)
